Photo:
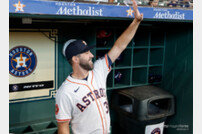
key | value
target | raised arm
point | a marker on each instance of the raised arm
(124, 39)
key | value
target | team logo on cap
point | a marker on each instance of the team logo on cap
(84, 43)
(156, 131)
(22, 61)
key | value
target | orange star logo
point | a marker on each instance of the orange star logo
(130, 12)
(21, 61)
(84, 43)
(19, 7)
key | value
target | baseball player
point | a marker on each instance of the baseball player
(81, 100)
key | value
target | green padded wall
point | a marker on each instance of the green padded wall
(23, 115)
(178, 76)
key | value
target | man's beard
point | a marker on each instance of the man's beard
(86, 66)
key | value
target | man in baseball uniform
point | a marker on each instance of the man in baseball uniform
(81, 100)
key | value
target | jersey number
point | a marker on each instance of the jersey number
(107, 106)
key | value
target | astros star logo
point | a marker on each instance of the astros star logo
(19, 7)
(130, 12)
(21, 61)
(84, 43)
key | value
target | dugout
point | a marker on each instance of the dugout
(160, 54)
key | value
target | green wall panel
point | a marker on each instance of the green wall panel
(178, 78)
(31, 111)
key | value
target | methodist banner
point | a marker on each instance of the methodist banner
(94, 10)
(32, 67)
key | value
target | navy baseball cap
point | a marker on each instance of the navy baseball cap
(74, 47)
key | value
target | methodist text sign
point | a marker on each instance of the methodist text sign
(91, 10)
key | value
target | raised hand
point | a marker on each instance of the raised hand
(138, 16)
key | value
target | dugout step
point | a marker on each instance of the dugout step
(46, 127)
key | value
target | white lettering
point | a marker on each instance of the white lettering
(159, 9)
(64, 4)
(90, 11)
(79, 11)
(25, 49)
(74, 11)
(26, 72)
(27, 86)
(156, 15)
(13, 51)
(101, 12)
(11, 54)
(168, 15)
(34, 86)
(30, 54)
(42, 85)
(30, 69)
(12, 70)
(15, 72)
(61, 11)
(69, 11)
(28, 51)
(17, 50)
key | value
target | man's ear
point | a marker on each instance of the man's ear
(75, 59)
